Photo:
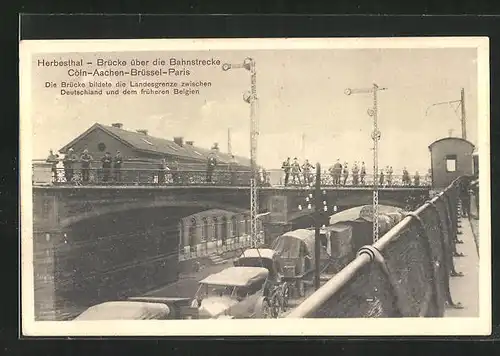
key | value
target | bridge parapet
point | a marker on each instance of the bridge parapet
(404, 274)
(45, 174)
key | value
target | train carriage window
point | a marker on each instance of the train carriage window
(451, 163)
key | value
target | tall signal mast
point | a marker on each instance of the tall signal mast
(251, 98)
(373, 112)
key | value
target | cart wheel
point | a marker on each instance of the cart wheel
(275, 306)
(263, 309)
(301, 288)
(285, 296)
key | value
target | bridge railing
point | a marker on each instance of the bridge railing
(45, 174)
(404, 274)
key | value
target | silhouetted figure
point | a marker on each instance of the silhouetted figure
(337, 168)
(306, 170)
(465, 197)
(68, 162)
(162, 174)
(355, 174)
(416, 179)
(296, 171)
(174, 171)
(86, 160)
(286, 166)
(346, 173)
(211, 164)
(381, 177)
(406, 177)
(117, 166)
(363, 173)
(53, 159)
(389, 175)
(107, 161)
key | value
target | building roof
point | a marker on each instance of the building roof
(450, 138)
(237, 276)
(146, 143)
(130, 310)
(258, 253)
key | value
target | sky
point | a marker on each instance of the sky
(301, 94)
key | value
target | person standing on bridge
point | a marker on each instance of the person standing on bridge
(69, 160)
(285, 166)
(428, 177)
(296, 171)
(474, 188)
(106, 167)
(355, 173)
(53, 159)
(117, 166)
(406, 177)
(174, 172)
(381, 178)
(337, 167)
(306, 169)
(465, 197)
(86, 160)
(346, 173)
(416, 179)
(389, 175)
(363, 173)
(162, 173)
(211, 164)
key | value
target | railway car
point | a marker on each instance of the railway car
(451, 157)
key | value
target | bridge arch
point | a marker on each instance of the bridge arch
(196, 206)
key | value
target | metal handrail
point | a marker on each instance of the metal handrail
(334, 285)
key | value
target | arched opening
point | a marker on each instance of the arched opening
(224, 227)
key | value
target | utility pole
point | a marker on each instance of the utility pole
(461, 104)
(317, 226)
(375, 137)
(462, 117)
(229, 148)
(252, 99)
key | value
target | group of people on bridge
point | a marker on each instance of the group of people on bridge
(340, 173)
(109, 164)
(83, 169)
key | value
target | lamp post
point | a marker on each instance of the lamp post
(319, 210)
(251, 98)
(373, 112)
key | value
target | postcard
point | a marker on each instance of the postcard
(214, 187)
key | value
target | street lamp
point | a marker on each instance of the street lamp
(250, 97)
(319, 201)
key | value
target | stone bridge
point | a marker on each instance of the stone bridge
(60, 207)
